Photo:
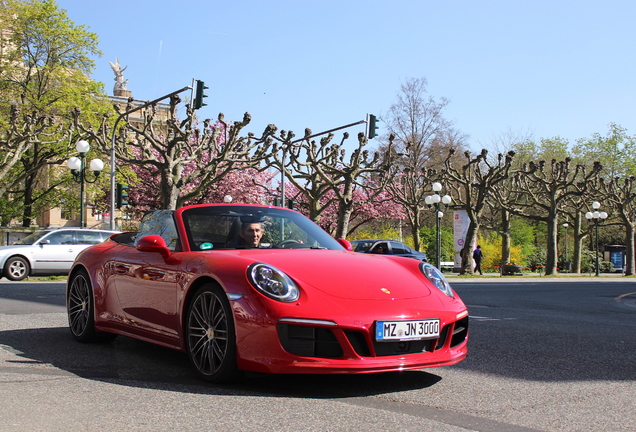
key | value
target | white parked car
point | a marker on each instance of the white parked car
(48, 252)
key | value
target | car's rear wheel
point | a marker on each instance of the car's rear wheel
(210, 336)
(79, 305)
(16, 268)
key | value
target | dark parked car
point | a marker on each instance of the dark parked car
(387, 247)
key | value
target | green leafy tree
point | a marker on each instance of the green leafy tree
(616, 151)
(476, 181)
(44, 75)
(429, 242)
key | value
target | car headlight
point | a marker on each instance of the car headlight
(272, 282)
(433, 274)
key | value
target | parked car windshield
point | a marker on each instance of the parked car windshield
(219, 227)
(32, 238)
(361, 245)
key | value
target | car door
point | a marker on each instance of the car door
(380, 247)
(399, 249)
(147, 288)
(54, 253)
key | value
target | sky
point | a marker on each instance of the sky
(536, 68)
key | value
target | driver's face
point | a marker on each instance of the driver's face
(252, 234)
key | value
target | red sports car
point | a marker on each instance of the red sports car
(264, 289)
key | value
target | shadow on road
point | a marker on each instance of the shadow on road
(130, 362)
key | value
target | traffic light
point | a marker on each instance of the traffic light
(372, 127)
(291, 204)
(277, 202)
(122, 195)
(199, 94)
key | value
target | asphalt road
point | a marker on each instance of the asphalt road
(545, 355)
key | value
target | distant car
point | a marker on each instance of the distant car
(387, 247)
(242, 287)
(47, 252)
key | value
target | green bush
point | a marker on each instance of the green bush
(536, 260)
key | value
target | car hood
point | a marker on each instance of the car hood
(6, 250)
(350, 275)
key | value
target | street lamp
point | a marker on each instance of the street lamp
(78, 169)
(434, 201)
(596, 217)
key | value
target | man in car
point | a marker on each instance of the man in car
(251, 234)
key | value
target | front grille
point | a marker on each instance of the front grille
(460, 332)
(309, 341)
(358, 342)
(403, 347)
(321, 342)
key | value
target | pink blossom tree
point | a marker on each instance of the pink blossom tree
(180, 163)
(323, 175)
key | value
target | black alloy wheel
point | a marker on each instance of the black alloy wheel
(210, 336)
(79, 305)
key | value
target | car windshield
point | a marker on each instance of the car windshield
(361, 245)
(233, 227)
(32, 238)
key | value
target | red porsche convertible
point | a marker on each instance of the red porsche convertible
(264, 289)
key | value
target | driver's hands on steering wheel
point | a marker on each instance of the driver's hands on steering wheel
(285, 244)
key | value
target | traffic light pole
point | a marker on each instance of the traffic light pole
(112, 149)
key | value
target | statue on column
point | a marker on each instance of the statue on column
(120, 84)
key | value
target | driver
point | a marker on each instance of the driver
(251, 234)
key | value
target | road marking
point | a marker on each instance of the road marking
(482, 318)
(625, 302)
(620, 297)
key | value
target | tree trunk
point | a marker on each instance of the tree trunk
(629, 249)
(27, 214)
(505, 237)
(467, 250)
(344, 215)
(415, 232)
(551, 258)
(578, 244)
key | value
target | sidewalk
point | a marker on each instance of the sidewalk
(536, 277)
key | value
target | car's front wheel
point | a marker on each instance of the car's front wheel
(210, 336)
(16, 268)
(79, 305)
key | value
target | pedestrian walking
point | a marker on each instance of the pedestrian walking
(477, 256)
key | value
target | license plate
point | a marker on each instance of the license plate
(406, 330)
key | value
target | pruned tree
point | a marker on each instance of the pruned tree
(308, 186)
(317, 168)
(541, 190)
(186, 160)
(572, 211)
(475, 182)
(620, 194)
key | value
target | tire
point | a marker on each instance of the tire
(79, 306)
(16, 268)
(210, 335)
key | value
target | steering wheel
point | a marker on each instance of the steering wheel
(285, 244)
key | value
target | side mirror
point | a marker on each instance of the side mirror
(345, 244)
(45, 241)
(153, 243)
